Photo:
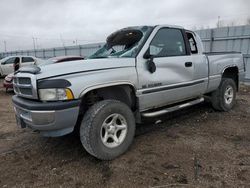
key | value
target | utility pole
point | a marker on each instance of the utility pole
(75, 42)
(62, 41)
(218, 23)
(5, 48)
(34, 43)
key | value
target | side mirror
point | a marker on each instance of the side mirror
(3, 63)
(150, 61)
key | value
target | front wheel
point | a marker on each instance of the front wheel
(223, 99)
(107, 129)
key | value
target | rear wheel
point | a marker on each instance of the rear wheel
(107, 129)
(223, 99)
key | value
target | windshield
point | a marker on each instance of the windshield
(123, 43)
(4, 59)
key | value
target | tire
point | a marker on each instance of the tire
(104, 122)
(223, 99)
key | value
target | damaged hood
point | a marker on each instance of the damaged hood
(81, 66)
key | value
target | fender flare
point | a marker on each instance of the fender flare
(110, 84)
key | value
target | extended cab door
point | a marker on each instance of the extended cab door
(174, 78)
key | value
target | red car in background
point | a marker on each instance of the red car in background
(7, 83)
(61, 59)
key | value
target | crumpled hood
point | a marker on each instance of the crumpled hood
(71, 67)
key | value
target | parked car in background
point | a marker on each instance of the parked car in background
(7, 63)
(61, 59)
(7, 84)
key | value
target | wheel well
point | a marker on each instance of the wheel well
(232, 72)
(123, 93)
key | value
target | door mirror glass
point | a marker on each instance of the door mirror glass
(151, 65)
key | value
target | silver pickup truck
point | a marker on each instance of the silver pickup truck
(141, 72)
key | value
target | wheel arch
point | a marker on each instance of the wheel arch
(232, 72)
(122, 91)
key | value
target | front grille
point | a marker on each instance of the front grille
(25, 85)
(24, 81)
(25, 91)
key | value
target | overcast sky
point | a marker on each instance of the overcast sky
(52, 23)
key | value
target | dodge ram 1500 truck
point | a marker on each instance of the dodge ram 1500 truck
(141, 72)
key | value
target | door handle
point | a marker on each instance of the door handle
(188, 64)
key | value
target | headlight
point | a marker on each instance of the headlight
(55, 94)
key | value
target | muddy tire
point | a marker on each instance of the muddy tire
(223, 99)
(107, 129)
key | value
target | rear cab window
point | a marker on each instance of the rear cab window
(192, 42)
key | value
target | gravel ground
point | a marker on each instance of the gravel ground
(195, 147)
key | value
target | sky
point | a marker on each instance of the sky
(29, 24)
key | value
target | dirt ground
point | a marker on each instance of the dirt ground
(195, 147)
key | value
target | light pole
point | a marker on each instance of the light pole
(5, 44)
(34, 43)
(218, 23)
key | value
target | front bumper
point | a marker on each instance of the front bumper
(50, 119)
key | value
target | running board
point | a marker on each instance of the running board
(173, 108)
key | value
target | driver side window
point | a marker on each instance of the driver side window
(168, 42)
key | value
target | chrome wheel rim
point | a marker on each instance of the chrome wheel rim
(114, 130)
(229, 95)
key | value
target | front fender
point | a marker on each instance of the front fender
(99, 86)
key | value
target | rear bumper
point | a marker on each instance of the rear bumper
(50, 119)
